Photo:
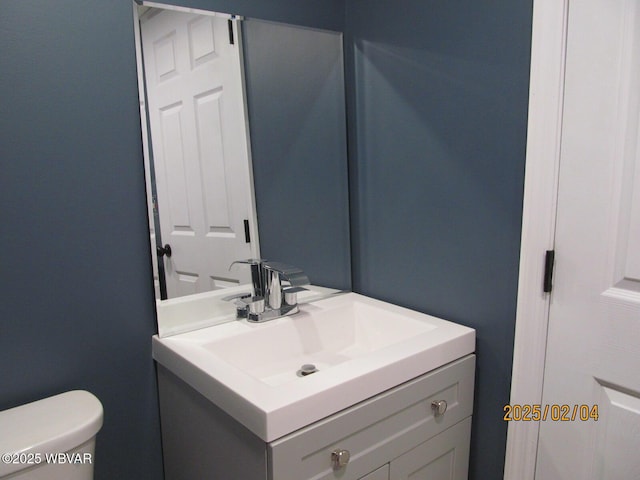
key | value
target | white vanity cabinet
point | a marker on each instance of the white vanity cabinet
(399, 427)
(398, 434)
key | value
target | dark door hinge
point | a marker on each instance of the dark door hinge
(231, 37)
(247, 234)
(548, 271)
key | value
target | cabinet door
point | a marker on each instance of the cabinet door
(380, 474)
(444, 457)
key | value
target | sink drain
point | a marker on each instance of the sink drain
(306, 369)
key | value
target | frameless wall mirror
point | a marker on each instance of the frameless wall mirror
(244, 133)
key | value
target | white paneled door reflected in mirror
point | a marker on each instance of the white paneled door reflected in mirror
(202, 213)
(194, 68)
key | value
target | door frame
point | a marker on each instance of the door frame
(544, 132)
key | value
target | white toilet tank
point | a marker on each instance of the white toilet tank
(51, 439)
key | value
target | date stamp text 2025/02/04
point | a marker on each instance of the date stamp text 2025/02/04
(552, 412)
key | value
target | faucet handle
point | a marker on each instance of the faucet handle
(275, 273)
(294, 275)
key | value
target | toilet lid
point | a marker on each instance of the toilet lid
(53, 425)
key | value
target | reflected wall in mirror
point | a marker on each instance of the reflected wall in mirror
(296, 99)
(209, 82)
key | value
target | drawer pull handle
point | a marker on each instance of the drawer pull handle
(340, 458)
(439, 407)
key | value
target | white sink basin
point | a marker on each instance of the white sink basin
(360, 347)
(322, 337)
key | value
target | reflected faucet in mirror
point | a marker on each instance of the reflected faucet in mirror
(275, 290)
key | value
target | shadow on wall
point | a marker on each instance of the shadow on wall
(445, 193)
(440, 95)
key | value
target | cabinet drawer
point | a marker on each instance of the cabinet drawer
(377, 430)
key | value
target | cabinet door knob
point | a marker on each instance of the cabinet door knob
(340, 458)
(439, 407)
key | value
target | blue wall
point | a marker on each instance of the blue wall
(438, 102)
(77, 307)
(437, 134)
(295, 96)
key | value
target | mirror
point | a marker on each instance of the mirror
(199, 165)
(245, 148)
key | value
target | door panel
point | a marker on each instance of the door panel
(200, 148)
(594, 320)
(617, 437)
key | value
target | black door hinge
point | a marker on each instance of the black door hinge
(548, 271)
(247, 234)
(231, 37)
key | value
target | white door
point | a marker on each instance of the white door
(593, 348)
(200, 152)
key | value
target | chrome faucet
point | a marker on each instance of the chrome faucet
(275, 290)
